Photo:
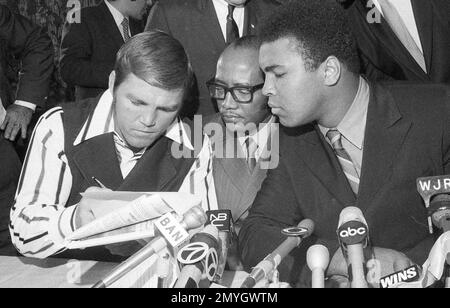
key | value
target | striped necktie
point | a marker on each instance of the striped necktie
(232, 27)
(126, 29)
(251, 148)
(344, 159)
(398, 26)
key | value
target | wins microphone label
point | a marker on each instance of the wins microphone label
(171, 229)
(408, 275)
(221, 219)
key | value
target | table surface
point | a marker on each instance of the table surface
(50, 273)
(16, 272)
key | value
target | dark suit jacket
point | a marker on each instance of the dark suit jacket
(407, 136)
(9, 175)
(194, 23)
(384, 57)
(33, 47)
(89, 48)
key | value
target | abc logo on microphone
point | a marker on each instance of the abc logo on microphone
(352, 232)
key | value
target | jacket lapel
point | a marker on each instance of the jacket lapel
(110, 26)
(97, 157)
(386, 37)
(210, 23)
(384, 136)
(323, 164)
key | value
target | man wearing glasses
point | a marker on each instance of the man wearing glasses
(244, 130)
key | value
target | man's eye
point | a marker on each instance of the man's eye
(136, 103)
(280, 75)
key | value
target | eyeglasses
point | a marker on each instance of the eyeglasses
(241, 94)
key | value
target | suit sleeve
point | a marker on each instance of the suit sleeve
(157, 19)
(275, 208)
(77, 68)
(33, 47)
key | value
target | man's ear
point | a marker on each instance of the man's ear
(331, 70)
(112, 81)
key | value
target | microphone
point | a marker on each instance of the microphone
(353, 236)
(435, 191)
(192, 219)
(318, 258)
(439, 211)
(271, 262)
(197, 256)
(222, 220)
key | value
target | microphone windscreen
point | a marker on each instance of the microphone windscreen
(318, 256)
(307, 224)
(194, 218)
(351, 213)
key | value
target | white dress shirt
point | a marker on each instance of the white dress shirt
(118, 18)
(221, 7)
(40, 220)
(405, 10)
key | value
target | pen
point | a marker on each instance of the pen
(98, 182)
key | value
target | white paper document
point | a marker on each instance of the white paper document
(127, 216)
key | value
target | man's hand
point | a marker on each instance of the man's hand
(17, 119)
(84, 213)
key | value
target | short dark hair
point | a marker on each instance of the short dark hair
(157, 58)
(321, 28)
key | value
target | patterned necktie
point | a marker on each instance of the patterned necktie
(344, 159)
(126, 29)
(232, 27)
(251, 147)
(398, 26)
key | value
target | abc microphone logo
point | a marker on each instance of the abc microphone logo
(352, 232)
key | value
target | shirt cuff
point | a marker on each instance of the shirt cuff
(66, 223)
(26, 104)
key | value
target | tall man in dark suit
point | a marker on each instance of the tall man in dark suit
(351, 142)
(33, 48)
(403, 39)
(125, 139)
(205, 27)
(89, 45)
(244, 133)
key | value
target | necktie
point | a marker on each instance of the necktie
(251, 148)
(232, 28)
(398, 26)
(344, 159)
(126, 29)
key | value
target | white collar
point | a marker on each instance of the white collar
(117, 15)
(101, 122)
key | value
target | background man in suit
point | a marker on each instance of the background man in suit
(123, 138)
(246, 125)
(88, 48)
(407, 40)
(33, 47)
(365, 145)
(205, 27)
